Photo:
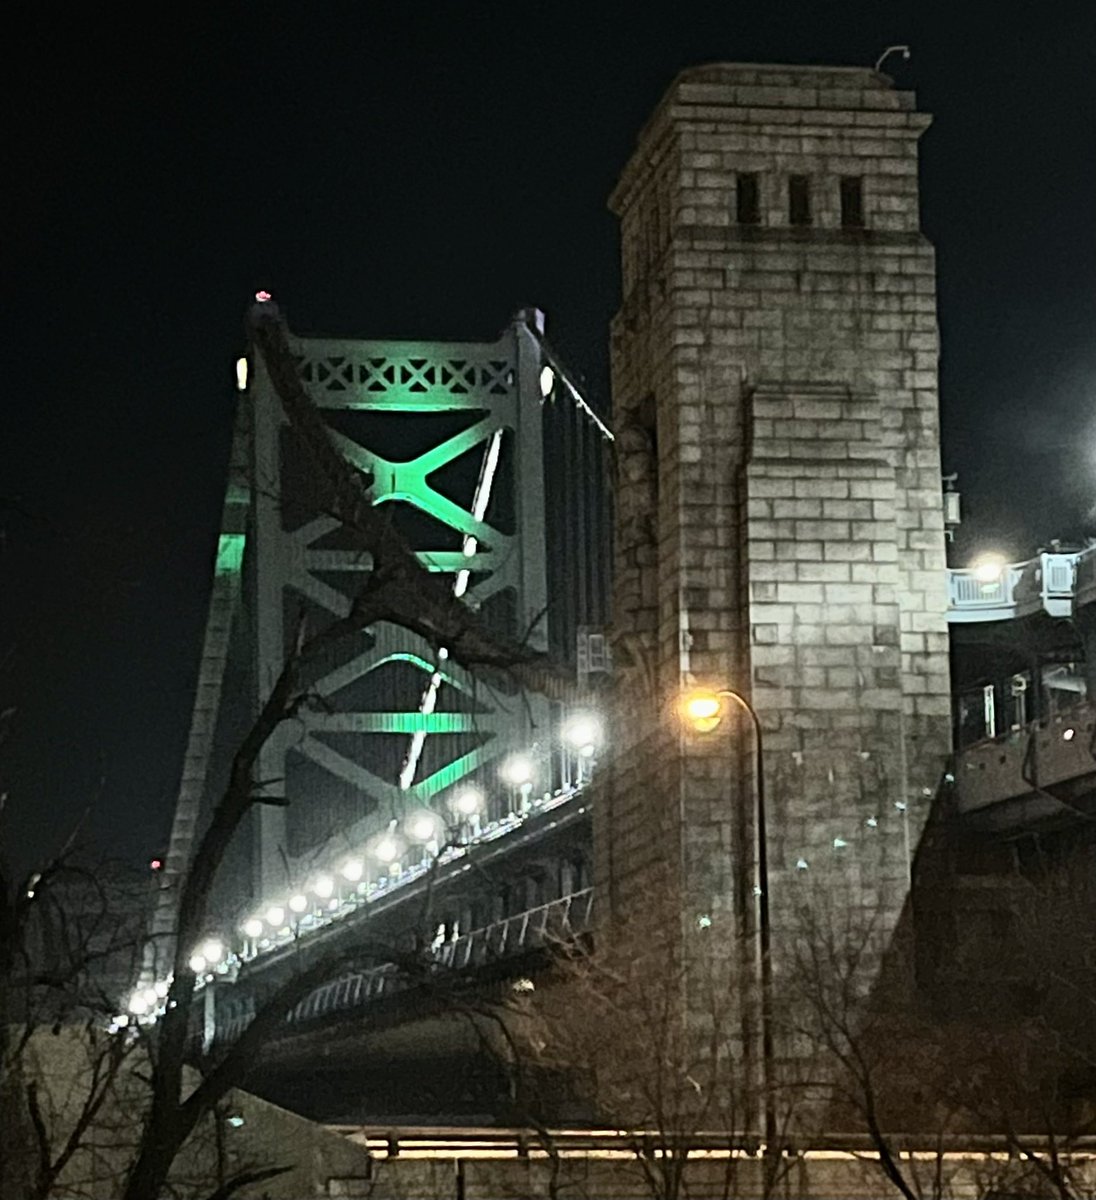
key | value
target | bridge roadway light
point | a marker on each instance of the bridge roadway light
(198, 963)
(352, 870)
(212, 950)
(582, 732)
(517, 771)
(298, 902)
(704, 709)
(324, 887)
(386, 849)
(253, 928)
(422, 826)
(467, 802)
(275, 916)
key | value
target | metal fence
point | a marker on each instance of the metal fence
(557, 921)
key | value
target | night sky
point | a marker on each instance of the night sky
(423, 170)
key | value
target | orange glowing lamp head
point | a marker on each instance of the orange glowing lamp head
(702, 709)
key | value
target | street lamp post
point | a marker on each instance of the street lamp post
(705, 710)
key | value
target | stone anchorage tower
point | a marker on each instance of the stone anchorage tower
(779, 519)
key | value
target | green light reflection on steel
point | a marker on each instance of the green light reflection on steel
(450, 774)
(422, 664)
(230, 553)
(399, 722)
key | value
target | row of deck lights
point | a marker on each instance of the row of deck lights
(381, 865)
(425, 829)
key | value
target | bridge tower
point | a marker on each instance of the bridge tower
(779, 513)
(491, 464)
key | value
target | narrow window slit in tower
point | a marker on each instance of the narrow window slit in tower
(799, 200)
(747, 200)
(852, 202)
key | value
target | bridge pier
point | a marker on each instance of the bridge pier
(779, 523)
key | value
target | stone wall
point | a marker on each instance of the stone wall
(775, 400)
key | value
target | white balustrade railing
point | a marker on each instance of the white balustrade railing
(966, 590)
(1046, 583)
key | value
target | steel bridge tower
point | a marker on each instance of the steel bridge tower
(492, 465)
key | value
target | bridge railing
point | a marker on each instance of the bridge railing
(1044, 582)
(1045, 768)
(558, 920)
(555, 921)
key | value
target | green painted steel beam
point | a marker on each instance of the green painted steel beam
(397, 722)
(452, 773)
(230, 553)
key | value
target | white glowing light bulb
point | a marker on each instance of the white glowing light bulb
(583, 732)
(422, 826)
(517, 770)
(468, 802)
(324, 887)
(989, 568)
(197, 963)
(275, 915)
(253, 928)
(298, 903)
(386, 850)
(352, 869)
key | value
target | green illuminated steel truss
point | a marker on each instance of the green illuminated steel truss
(495, 387)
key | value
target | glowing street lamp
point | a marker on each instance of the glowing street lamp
(704, 709)
(212, 950)
(275, 916)
(253, 928)
(298, 902)
(324, 887)
(988, 570)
